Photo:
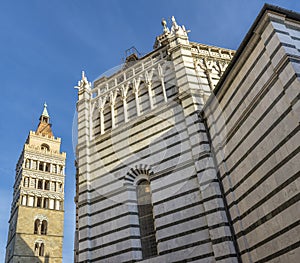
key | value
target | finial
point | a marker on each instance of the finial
(174, 23)
(45, 111)
(83, 77)
(164, 24)
(83, 82)
(178, 30)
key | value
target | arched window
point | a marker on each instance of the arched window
(146, 220)
(44, 227)
(41, 250)
(36, 249)
(45, 146)
(36, 226)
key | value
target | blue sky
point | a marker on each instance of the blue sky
(46, 44)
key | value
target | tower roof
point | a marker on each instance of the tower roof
(45, 111)
(44, 127)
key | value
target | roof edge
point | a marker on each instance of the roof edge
(266, 7)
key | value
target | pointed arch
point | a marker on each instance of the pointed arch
(119, 109)
(131, 102)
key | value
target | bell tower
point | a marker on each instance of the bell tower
(37, 210)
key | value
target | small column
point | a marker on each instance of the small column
(164, 89)
(148, 78)
(112, 110)
(136, 94)
(23, 200)
(124, 91)
(113, 95)
(125, 109)
(149, 86)
(44, 167)
(101, 110)
(30, 164)
(161, 75)
(136, 84)
(57, 207)
(50, 167)
(101, 102)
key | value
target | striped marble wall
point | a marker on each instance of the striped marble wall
(142, 123)
(253, 121)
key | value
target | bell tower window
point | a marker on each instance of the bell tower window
(39, 202)
(40, 184)
(45, 147)
(44, 227)
(36, 226)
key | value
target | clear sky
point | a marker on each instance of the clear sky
(46, 44)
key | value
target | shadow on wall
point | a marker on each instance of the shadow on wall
(27, 254)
